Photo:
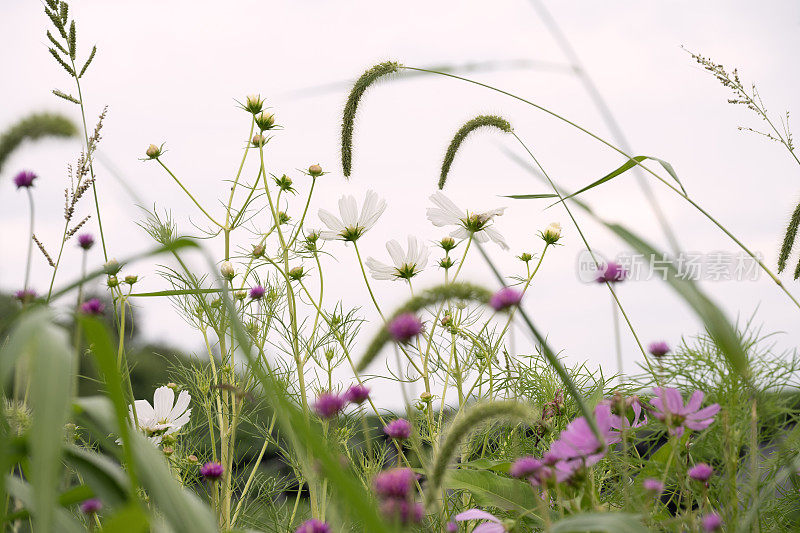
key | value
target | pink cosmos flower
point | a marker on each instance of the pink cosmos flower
(578, 441)
(669, 408)
(492, 524)
(357, 394)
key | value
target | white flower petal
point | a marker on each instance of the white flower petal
(144, 411)
(163, 399)
(447, 205)
(372, 210)
(396, 253)
(348, 208)
(333, 223)
(330, 235)
(496, 237)
(440, 217)
(380, 270)
(181, 405)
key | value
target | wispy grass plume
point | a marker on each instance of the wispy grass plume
(32, 127)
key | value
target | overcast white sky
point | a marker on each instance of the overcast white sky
(170, 71)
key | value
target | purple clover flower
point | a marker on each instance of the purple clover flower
(328, 405)
(91, 506)
(395, 483)
(212, 471)
(711, 522)
(701, 472)
(669, 407)
(612, 272)
(357, 394)
(313, 526)
(404, 511)
(658, 349)
(505, 298)
(404, 327)
(653, 485)
(399, 429)
(86, 240)
(93, 306)
(24, 179)
(25, 295)
(257, 292)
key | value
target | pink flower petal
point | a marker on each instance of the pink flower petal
(476, 514)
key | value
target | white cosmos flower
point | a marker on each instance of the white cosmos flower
(406, 265)
(351, 226)
(479, 225)
(165, 416)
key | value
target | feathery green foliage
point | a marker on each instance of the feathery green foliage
(356, 93)
(481, 121)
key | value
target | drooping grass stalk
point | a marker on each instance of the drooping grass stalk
(550, 356)
(694, 204)
(481, 121)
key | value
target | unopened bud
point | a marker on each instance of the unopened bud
(258, 250)
(447, 243)
(241, 295)
(284, 183)
(112, 281)
(254, 104)
(172, 385)
(112, 267)
(525, 257)
(552, 233)
(426, 396)
(259, 140)
(192, 459)
(446, 319)
(283, 218)
(265, 121)
(131, 279)
(226, 269)
(296, 273)
(153, 151)
(315, 171)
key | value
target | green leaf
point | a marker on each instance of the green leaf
(61, 520)
(531, 196)
(492, 490)
(176, 292)
(634, 161)
(718, 326)
(129, 519)
(51, 375)
(106, 479)
(597, 522)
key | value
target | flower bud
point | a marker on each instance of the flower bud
(446, 262)
(172, 385)
(525, 257)
(315, 171)
(426, 396)
(226, 269)
(192, 459)
(552, 233)
(284, 183)
(131, 279)
(447, 243)
(259, 140)
(216, 303)
(254, 103)
(296, 273)
(167, 450)
(153, 151)
(258, 250)
(446, 319)
(112, 267)
(283, 218)
(241, 295)
(112, 282)
(265, 121)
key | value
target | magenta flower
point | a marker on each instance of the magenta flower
(93, 306)
(452, 527)
(404, 511)
(395, 483)
(257, 292)
(579, 443)
(525, 466)
(701, 472)
(538, 472)
(212, 471)
(669, 408)
(639, 415)
(313, 526)
(653, 485)
(505, 298)
(85, 240)
(658, 348)
(357, 394)
(24, 179)
(404, 327)
(612, 272)
(493, 524)
(328, 405)
(91, 506)
(711, 522)
(399, 429)
(25, 295)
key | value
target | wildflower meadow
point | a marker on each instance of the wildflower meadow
(281, 421)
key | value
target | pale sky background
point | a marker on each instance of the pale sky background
(170, 71)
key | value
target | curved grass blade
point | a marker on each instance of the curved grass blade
(600, 522)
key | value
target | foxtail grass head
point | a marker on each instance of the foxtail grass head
(482, 121)
(348, 119)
